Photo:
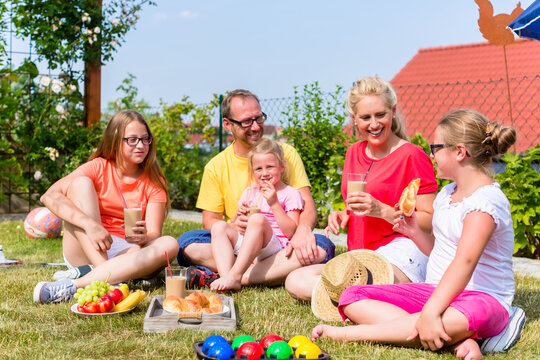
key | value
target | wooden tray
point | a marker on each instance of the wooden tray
(159, 320)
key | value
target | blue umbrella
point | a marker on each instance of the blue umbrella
(527, 24)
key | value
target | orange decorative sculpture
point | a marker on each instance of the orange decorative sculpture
(493, 27)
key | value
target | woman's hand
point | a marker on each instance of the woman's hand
(429, 328)
(364, 204)
(336, 221)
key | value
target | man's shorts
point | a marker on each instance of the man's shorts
(203, 237)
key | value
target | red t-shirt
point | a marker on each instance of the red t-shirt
(385, 181)
(111, 205)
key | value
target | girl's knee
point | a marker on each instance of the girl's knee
(257, 219)
(219, 227)
(170, 245)
(81, 187)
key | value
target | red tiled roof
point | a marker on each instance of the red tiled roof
(439, 79)
(472, 62)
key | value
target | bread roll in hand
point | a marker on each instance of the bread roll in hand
(407, 201)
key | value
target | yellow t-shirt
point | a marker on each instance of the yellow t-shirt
(226, 175)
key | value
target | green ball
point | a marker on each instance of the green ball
(239, 340)
(279, 349)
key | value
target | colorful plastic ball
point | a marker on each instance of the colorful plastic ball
(250, 350)
(41, 223)
(239, 340)
(211, 341)
(220, 350)
(298, 340)
(308, 351)
(269, 339)
(279, 350)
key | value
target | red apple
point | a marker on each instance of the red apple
(105, 304)
(90, 307)
(80, 309)
(116, 295)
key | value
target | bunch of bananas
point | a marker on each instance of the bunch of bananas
(130, 301)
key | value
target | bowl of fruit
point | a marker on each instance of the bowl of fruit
(101, 298)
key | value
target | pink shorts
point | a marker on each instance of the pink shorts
(486, 316)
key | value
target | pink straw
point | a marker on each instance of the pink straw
(124, 200)
(168, 264)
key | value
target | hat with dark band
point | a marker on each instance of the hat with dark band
(355, 267)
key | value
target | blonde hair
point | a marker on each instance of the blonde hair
(483, 139)
(268, 146)
(370, 86)
(110, 148)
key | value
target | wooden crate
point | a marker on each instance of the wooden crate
(159, 320)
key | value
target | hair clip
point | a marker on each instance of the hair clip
(487, 134)
(488, 153)
(488, 142)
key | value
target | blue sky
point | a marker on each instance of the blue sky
(197, 48)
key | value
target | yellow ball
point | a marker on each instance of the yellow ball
(298, 340)
(308, 351)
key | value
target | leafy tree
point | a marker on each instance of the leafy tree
(66, 32)
(314, 126)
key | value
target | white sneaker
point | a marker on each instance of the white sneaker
(508, 337)
(73, 273)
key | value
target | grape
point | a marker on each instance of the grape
(92, 292)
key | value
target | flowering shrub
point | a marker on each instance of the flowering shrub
(41, 137)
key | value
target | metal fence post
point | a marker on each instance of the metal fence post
(220, 124)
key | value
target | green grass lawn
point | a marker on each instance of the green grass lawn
(32, 331)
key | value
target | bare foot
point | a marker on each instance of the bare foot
(333, 332)
(228, 282)
(469, 350)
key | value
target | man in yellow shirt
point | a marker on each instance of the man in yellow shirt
(225, 177)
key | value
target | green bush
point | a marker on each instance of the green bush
(182, 163)
(42, 137)
(314, 126)
(521, 184)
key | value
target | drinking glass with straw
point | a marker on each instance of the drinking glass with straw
(356, 183)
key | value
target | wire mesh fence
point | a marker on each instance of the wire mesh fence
(421, 106)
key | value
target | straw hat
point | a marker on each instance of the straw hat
(355, 267)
